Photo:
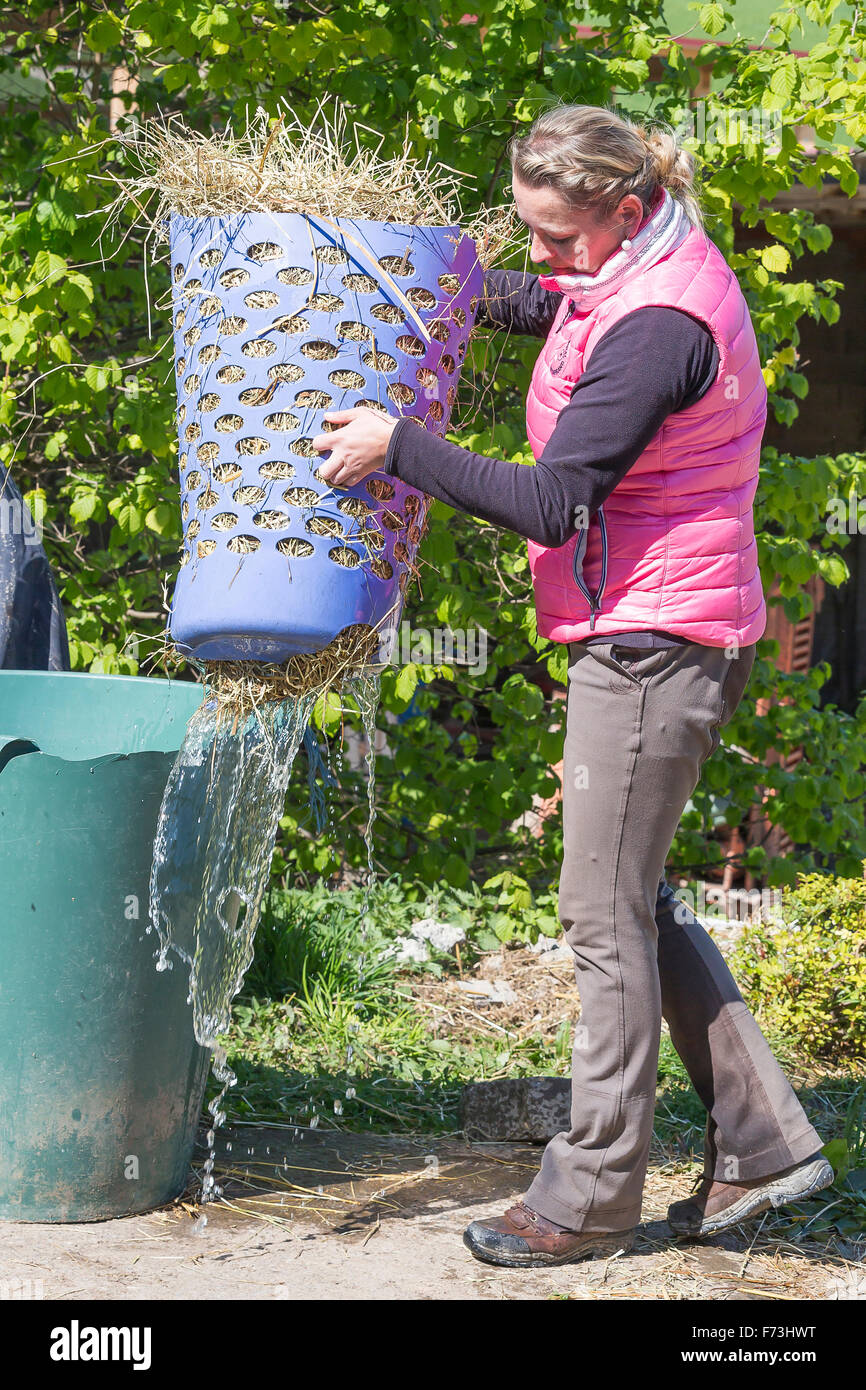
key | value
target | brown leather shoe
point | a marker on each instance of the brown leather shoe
(522, 1238)
(717, 1205)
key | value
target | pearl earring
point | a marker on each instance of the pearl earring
(626, 244)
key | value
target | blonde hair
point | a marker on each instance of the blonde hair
(593, 158)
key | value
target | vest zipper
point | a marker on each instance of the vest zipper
(594, 600)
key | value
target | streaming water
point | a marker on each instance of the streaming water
(215, 838)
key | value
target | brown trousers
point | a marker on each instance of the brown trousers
(639, 727)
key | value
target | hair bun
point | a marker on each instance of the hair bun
(672, 166)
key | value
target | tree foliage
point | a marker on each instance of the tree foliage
(87, 399)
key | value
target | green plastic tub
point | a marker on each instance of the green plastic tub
(101, 1079)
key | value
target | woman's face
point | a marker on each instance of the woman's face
(567, 238)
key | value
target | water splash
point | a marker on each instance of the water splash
(215, 838)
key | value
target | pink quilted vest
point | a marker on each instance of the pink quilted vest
(673, 547)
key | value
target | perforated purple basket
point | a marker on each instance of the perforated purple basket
(278, 318)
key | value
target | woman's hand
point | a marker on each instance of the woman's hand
(358, 448)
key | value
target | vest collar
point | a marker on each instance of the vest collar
(665, 230)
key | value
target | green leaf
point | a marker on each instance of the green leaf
(712, 18)
(104, 33)
(775, 258)
(407, 681)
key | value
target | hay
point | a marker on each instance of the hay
(293, 165)
(241, 686)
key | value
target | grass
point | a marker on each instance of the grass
(327, 1034)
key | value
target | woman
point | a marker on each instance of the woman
(645, 415)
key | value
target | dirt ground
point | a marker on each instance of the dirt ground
(307, 1214)
(335, 1216)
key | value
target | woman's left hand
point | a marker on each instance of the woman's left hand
(358, 448)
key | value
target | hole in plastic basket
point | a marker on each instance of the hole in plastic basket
(229, 424)
(327, 303)
(211, 258)
(447, 363)
(361, 284)
(440, 331)
(318, 349)
(206, 500)
(282, 420)
(388, 313)
(352, 381)
(427, 377)
(421, 299)
(224, 521)
(277, 469)
(252, 445)
(397, 265)
(294, 546)
(263, 251)
(178, 273)
(317, 400)
(345, 556)
(285, 371)
(436, 410)
(179, 319)
(257, 395)
(227, 472)
(353, 506)
(250, 495)
(401, 551)
(192, 432)
(191, 288)
(209, 401)
(205, 548)
(229, 375)
(382, 569)
(290, 323)
(210, 305)
(261, 299)
(380, 489)
(272, 520)
(379, 361)
(243, 545)
(231, 326)
(191, 384)
(192, 335)
(181, 414)
(354, 331)
(300, 496)
(325, 526)
(234, 278)
(193, 479)
(408, 343)
(295, 275)
(374, 405)
(193, 529)
(181, 366)
(459, 316)
(209, 353)
(304, 447)
(449, 283)
(414, 534)
(401, 394)
(393, 520)
(330, 255)
(259, 347)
